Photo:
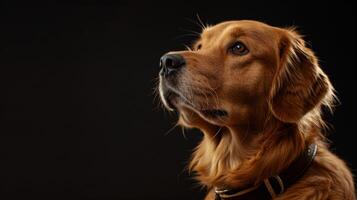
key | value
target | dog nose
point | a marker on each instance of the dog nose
(171, 63)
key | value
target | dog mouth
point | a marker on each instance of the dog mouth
(168, 99)
(213, 113)
(173, 100)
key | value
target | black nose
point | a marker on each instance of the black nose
(171, 63)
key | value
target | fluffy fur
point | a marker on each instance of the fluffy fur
(273, 96)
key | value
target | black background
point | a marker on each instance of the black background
(78, 119)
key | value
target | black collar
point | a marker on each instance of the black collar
(273, 186)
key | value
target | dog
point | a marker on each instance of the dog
(256, 92)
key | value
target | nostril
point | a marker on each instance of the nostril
(169, 62)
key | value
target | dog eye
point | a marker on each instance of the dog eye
(238, 49)
(199, 47)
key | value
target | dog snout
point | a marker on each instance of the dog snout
(170, 64)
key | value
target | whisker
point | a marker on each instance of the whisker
(219, 130)
(188, 48)
(183, 132)
(186, 93)
(184, 35)
(214, 94)
(195, 23)
(156, 94)
(190, 31)
(171, 129)
(200, 21)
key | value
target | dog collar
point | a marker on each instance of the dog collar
(275, 185)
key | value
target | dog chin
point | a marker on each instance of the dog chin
(212, 116)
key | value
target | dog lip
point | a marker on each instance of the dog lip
(172, 98)
(215, 112)
(169, 97)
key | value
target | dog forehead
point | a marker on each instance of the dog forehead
(235, 28)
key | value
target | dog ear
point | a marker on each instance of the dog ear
(299, 84)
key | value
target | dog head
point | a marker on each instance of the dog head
(243, 72)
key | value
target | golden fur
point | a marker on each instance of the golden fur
(273, 97)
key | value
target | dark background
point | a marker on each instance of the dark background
(78, 119)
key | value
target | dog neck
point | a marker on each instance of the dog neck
(238, 156)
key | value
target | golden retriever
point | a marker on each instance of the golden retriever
(256, 92)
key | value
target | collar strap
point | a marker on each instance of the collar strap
(275, 185)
